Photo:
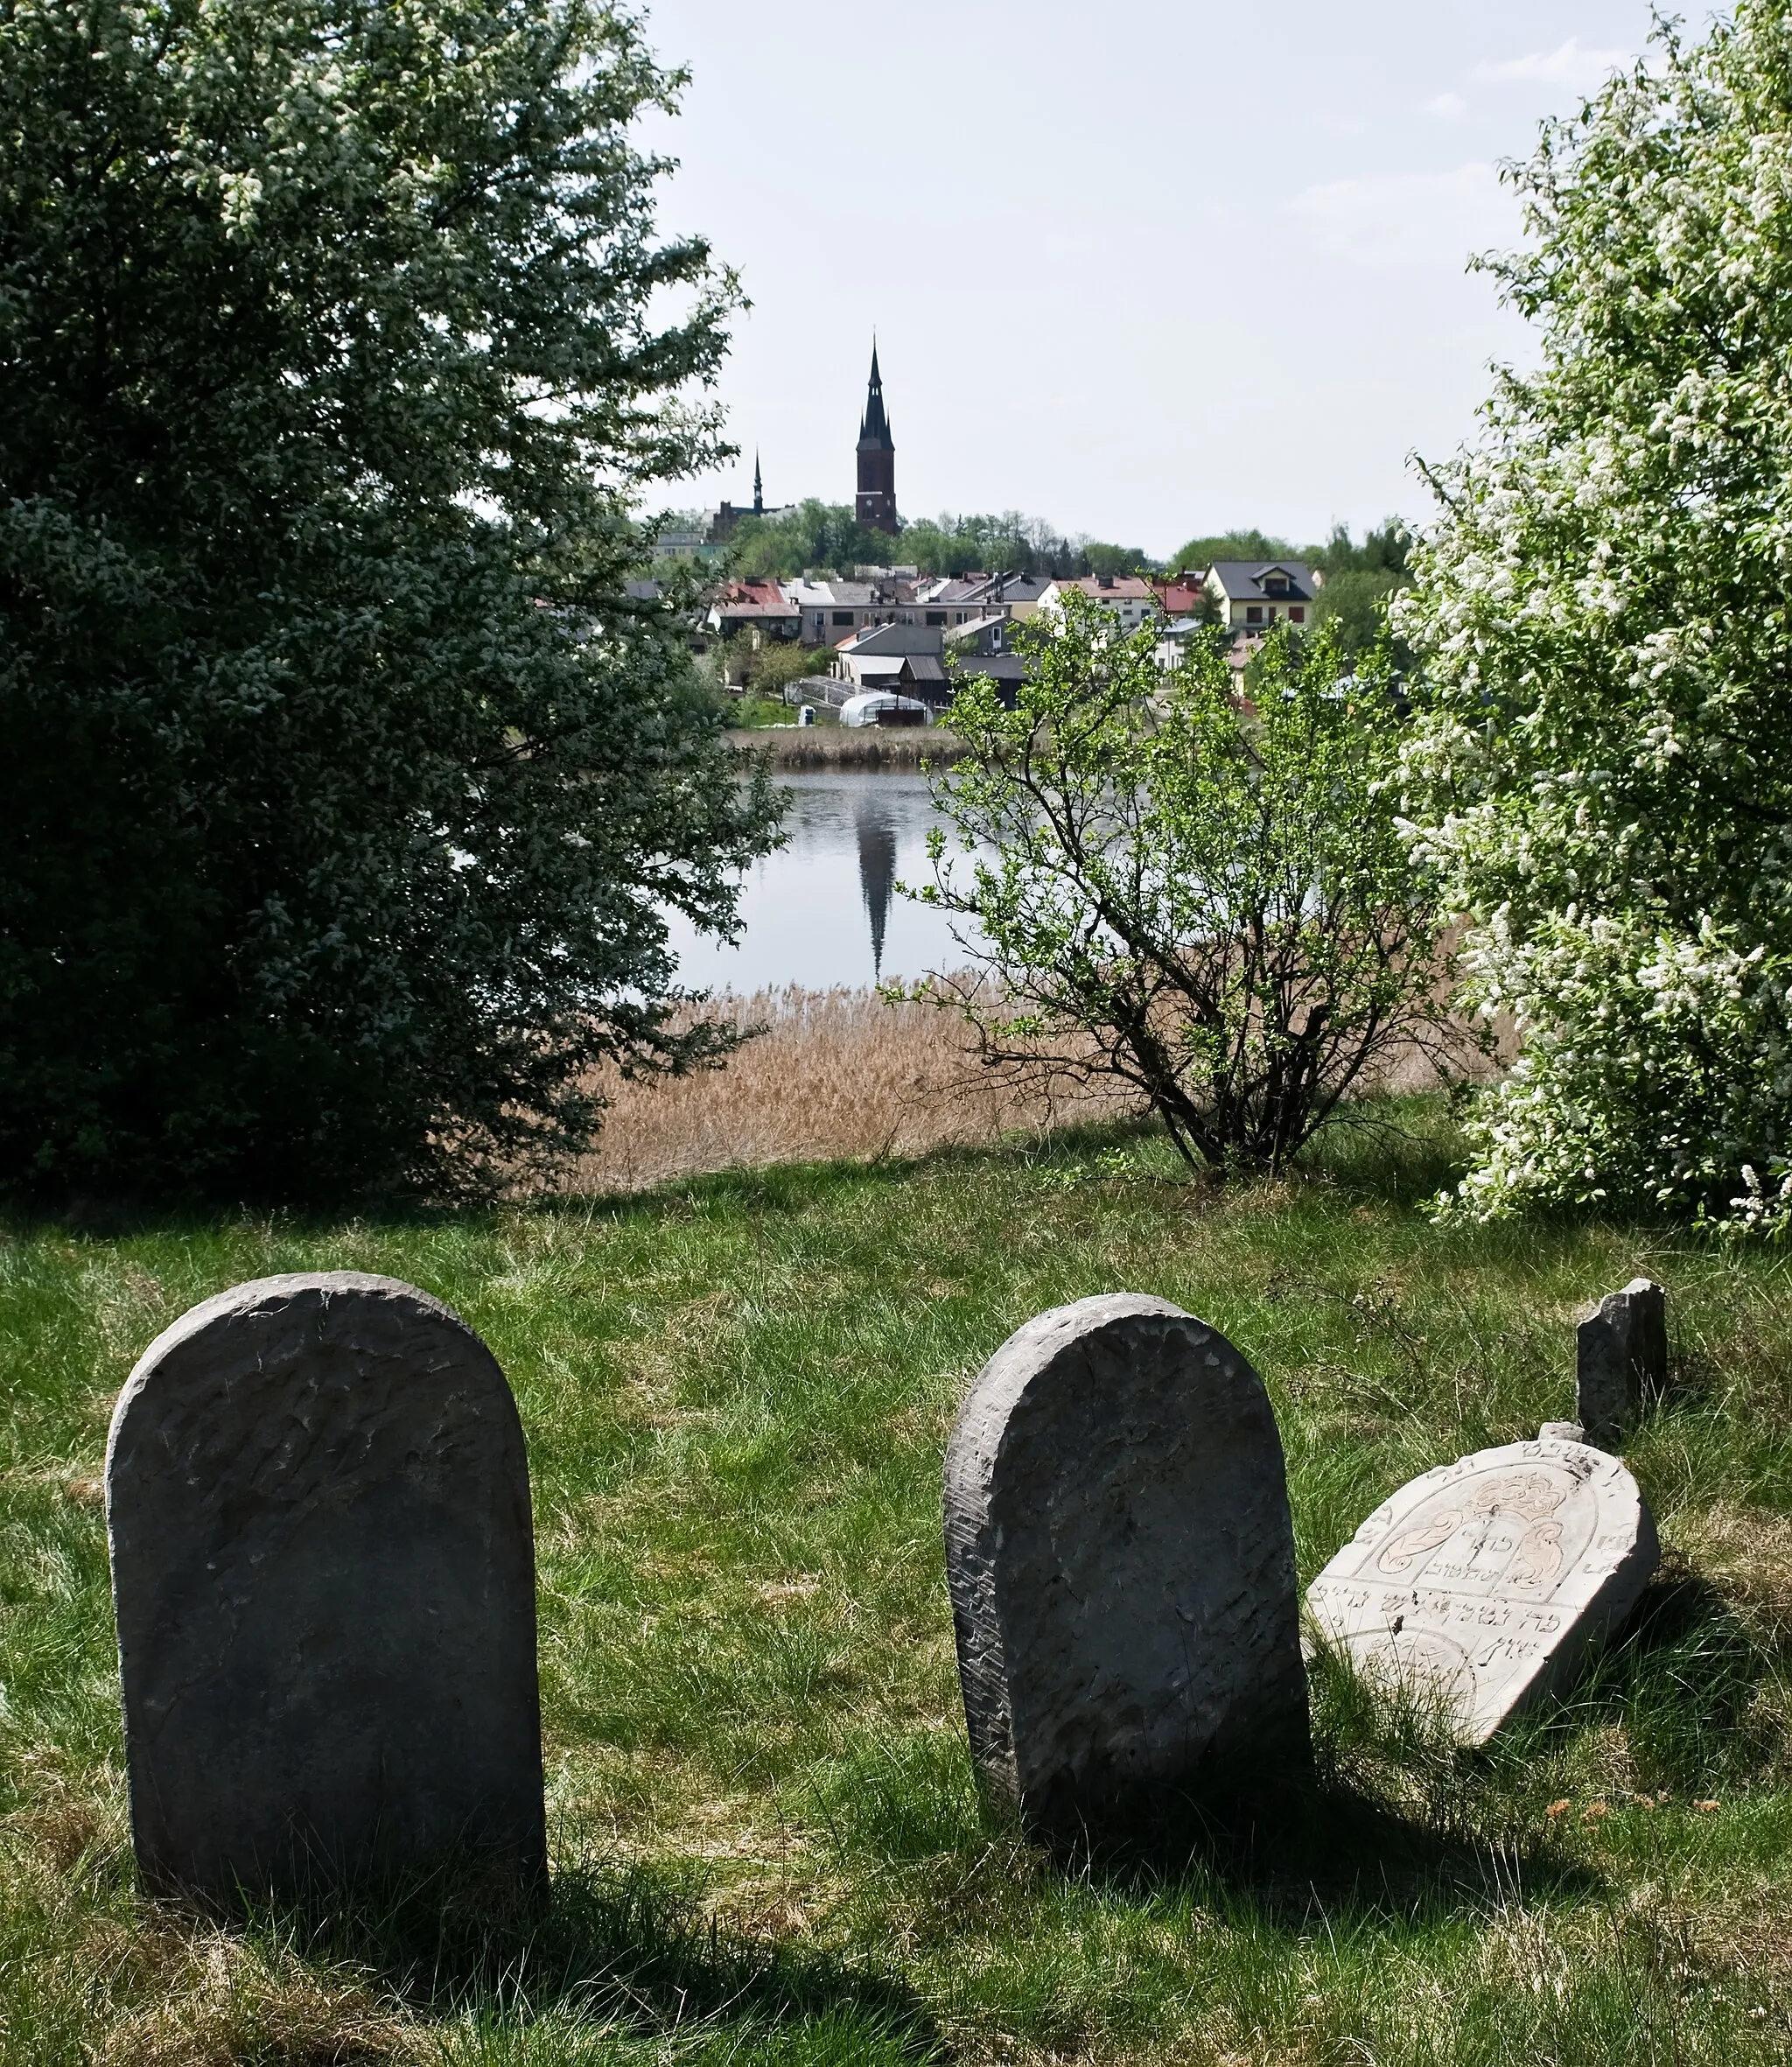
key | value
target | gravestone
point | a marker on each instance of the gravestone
(1120, 1560)
(1621, 1360)
(1481, 1584)
(316, 1497)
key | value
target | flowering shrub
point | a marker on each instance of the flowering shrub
(1601, 770)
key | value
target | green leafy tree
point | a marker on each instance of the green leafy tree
(815, 533)
(823, 535)
(1201, 553)
(1206, 899)
(345, 792)
(1360, 583)
(1604, 771)
(769, 666)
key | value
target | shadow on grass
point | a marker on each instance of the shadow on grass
(1683, 1680)
(1397, 1819)
(1349, 1836)
(1320, 1848)
(630, 1950)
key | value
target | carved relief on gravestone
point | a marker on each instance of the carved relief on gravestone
(1621, 1360)
(316, 1497)
(1482, 1584)
(1121, 1567)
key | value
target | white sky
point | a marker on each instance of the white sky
(1145, 273)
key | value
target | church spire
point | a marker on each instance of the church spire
(875, 505)
(759, 493)
(875, 430)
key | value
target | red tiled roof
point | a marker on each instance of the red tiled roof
(1122, 588)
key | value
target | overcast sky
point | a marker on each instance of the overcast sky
(1145, 271)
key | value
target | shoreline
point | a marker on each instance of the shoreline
(811, 746)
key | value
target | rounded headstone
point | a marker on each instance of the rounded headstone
(1480, 1586)
(317, 1499)
(1120, 1560)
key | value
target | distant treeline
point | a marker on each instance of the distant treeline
(824, 534)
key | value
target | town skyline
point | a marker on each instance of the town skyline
(1150, 310)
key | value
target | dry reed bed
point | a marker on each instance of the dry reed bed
(836, 1075)
(873, 748)
(845, 1076)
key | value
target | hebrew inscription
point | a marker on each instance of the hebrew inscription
(1481, 1584)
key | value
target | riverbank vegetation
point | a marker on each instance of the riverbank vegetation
(767, 1849)
(828, 1075)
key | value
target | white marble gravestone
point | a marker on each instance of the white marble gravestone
(1121, 1560)
(1482, 1584)
(317, 1499)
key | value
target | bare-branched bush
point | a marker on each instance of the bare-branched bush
(1197, 893)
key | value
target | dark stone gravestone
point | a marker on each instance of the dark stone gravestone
(1120, 1560)
(317, 1497)
(1621, 1360)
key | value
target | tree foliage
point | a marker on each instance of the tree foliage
(1604, 772)
(343, 789)
(1199, 553)
(1203, 896)
(1360, 580)
(822, 534)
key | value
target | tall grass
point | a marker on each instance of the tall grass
(840, 1075)
(767, 1844)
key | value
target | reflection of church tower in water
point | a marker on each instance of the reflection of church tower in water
(877, 872)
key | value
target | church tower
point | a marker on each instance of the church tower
(876, 506)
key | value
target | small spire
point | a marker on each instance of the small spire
(759, 493)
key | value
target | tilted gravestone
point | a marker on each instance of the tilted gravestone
(1621, 1360)
(316, 1497)
(1120, 1560)
(1481, 1585)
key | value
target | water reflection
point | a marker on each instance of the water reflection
(824, 909)
(876, 868)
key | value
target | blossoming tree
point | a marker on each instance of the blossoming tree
(1602, 768)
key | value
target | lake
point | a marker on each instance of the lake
(824, 908)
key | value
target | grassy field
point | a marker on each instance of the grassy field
(768, 1846)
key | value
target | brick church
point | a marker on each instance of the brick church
(876, 504)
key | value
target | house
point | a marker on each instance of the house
(1173, 641)
(957, 599)
(1181, 595)
(1252, 595)
(874, 658)
(925, 662)
(1006, 671)
(760, 606)
(1017, 595)
(831, 610)
(1131, 599)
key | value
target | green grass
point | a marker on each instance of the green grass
(767, 1844)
